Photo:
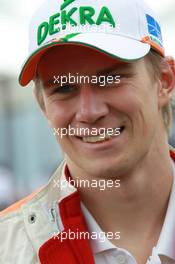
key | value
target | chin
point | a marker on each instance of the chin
(103, 168)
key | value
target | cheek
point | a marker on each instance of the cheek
(126, 99)
(138, 103)
(58, 113)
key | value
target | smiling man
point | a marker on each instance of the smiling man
(74, 219)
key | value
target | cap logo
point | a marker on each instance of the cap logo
(59, 21)
(154, 30)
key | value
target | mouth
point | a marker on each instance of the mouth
(103, 137)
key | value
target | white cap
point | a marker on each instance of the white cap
(125, 29)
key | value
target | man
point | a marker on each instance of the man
(120, 43)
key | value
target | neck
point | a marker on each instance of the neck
(143, 194)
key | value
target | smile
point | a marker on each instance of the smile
(103, 137)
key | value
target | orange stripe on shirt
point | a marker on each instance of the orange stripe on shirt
(18, 204)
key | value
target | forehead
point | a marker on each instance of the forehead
(76, 58)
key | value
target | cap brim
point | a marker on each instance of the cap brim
(122, 48)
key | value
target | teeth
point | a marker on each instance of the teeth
(93, 139)
(99, 138)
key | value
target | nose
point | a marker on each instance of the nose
(91, 105)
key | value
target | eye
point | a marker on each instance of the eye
(112, 80)
(103, 80)
(65, 89)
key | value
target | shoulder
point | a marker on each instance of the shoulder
(13, 235)
(14, 208)
(18, 236)
(39, 194)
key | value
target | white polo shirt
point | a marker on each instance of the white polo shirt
(107, 253)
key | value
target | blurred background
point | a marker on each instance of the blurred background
(28, 150)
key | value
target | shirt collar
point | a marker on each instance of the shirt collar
(100, 242)
(166, 242)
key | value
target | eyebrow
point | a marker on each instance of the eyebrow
(48, 83)
(115, 67)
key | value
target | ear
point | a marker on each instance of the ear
(167, 81)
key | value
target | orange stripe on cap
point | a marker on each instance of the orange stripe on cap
(154, 45)
(17, 205)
